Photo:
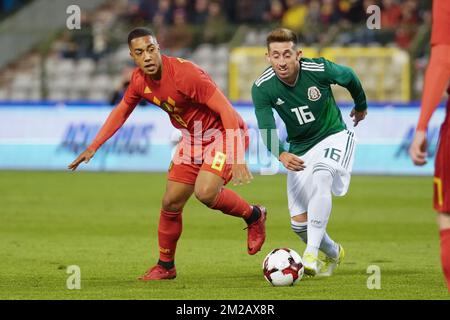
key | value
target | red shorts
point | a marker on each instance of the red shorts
(212, 157)
(441, 197)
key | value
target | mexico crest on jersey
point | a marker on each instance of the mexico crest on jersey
(313, 93)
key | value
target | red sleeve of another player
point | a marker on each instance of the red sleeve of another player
(194, 82)
(434, 85)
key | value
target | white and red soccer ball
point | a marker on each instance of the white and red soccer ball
(283, 267)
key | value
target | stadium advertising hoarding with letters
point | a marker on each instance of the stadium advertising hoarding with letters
(49, 137)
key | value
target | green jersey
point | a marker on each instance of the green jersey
(307, 108)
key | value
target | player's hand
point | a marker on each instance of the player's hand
(357, 116)
(291, 162)
(85, 156)
(418, 148)
(240, 174)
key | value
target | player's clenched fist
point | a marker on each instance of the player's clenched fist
(291, 161)
(418, 149)
(357, 116)
(85, 156)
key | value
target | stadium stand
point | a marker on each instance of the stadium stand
(88, 64)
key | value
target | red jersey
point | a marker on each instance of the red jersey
(440, 32)
(186, 93)
(183, 91)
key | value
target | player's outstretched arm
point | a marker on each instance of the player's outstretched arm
(115, 120)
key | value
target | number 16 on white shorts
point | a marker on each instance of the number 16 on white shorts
(334, 154)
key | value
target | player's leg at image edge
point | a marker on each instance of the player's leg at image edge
(444, 234)
(441, 193)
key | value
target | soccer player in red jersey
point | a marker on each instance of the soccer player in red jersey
(436, 80)
(203, 162)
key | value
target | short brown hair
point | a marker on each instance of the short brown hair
(281, 35)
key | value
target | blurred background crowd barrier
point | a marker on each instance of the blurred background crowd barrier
(43, 60)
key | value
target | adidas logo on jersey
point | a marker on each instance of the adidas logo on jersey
(279, 102)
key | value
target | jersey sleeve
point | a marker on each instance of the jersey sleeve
(114, 122)
(132, 95)
(193, 82)
(119, 114)
(430, 97)
(346, 77)
(266, 121)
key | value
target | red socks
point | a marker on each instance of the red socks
(169, 231)
(229, 202)
(445, 254)
(170, 223)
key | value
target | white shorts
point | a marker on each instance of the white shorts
(335, 154)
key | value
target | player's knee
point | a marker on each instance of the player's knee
(207, 195)
(171, 204)
(299, 225)
(303, 217)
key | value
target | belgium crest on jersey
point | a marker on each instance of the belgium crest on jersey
(314, 93)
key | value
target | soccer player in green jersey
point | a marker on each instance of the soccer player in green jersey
(320, 155)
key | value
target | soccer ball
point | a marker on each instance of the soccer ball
(283, 267)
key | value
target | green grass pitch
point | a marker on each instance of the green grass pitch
(106, 223)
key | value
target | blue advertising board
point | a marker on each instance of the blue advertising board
(50, 136)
